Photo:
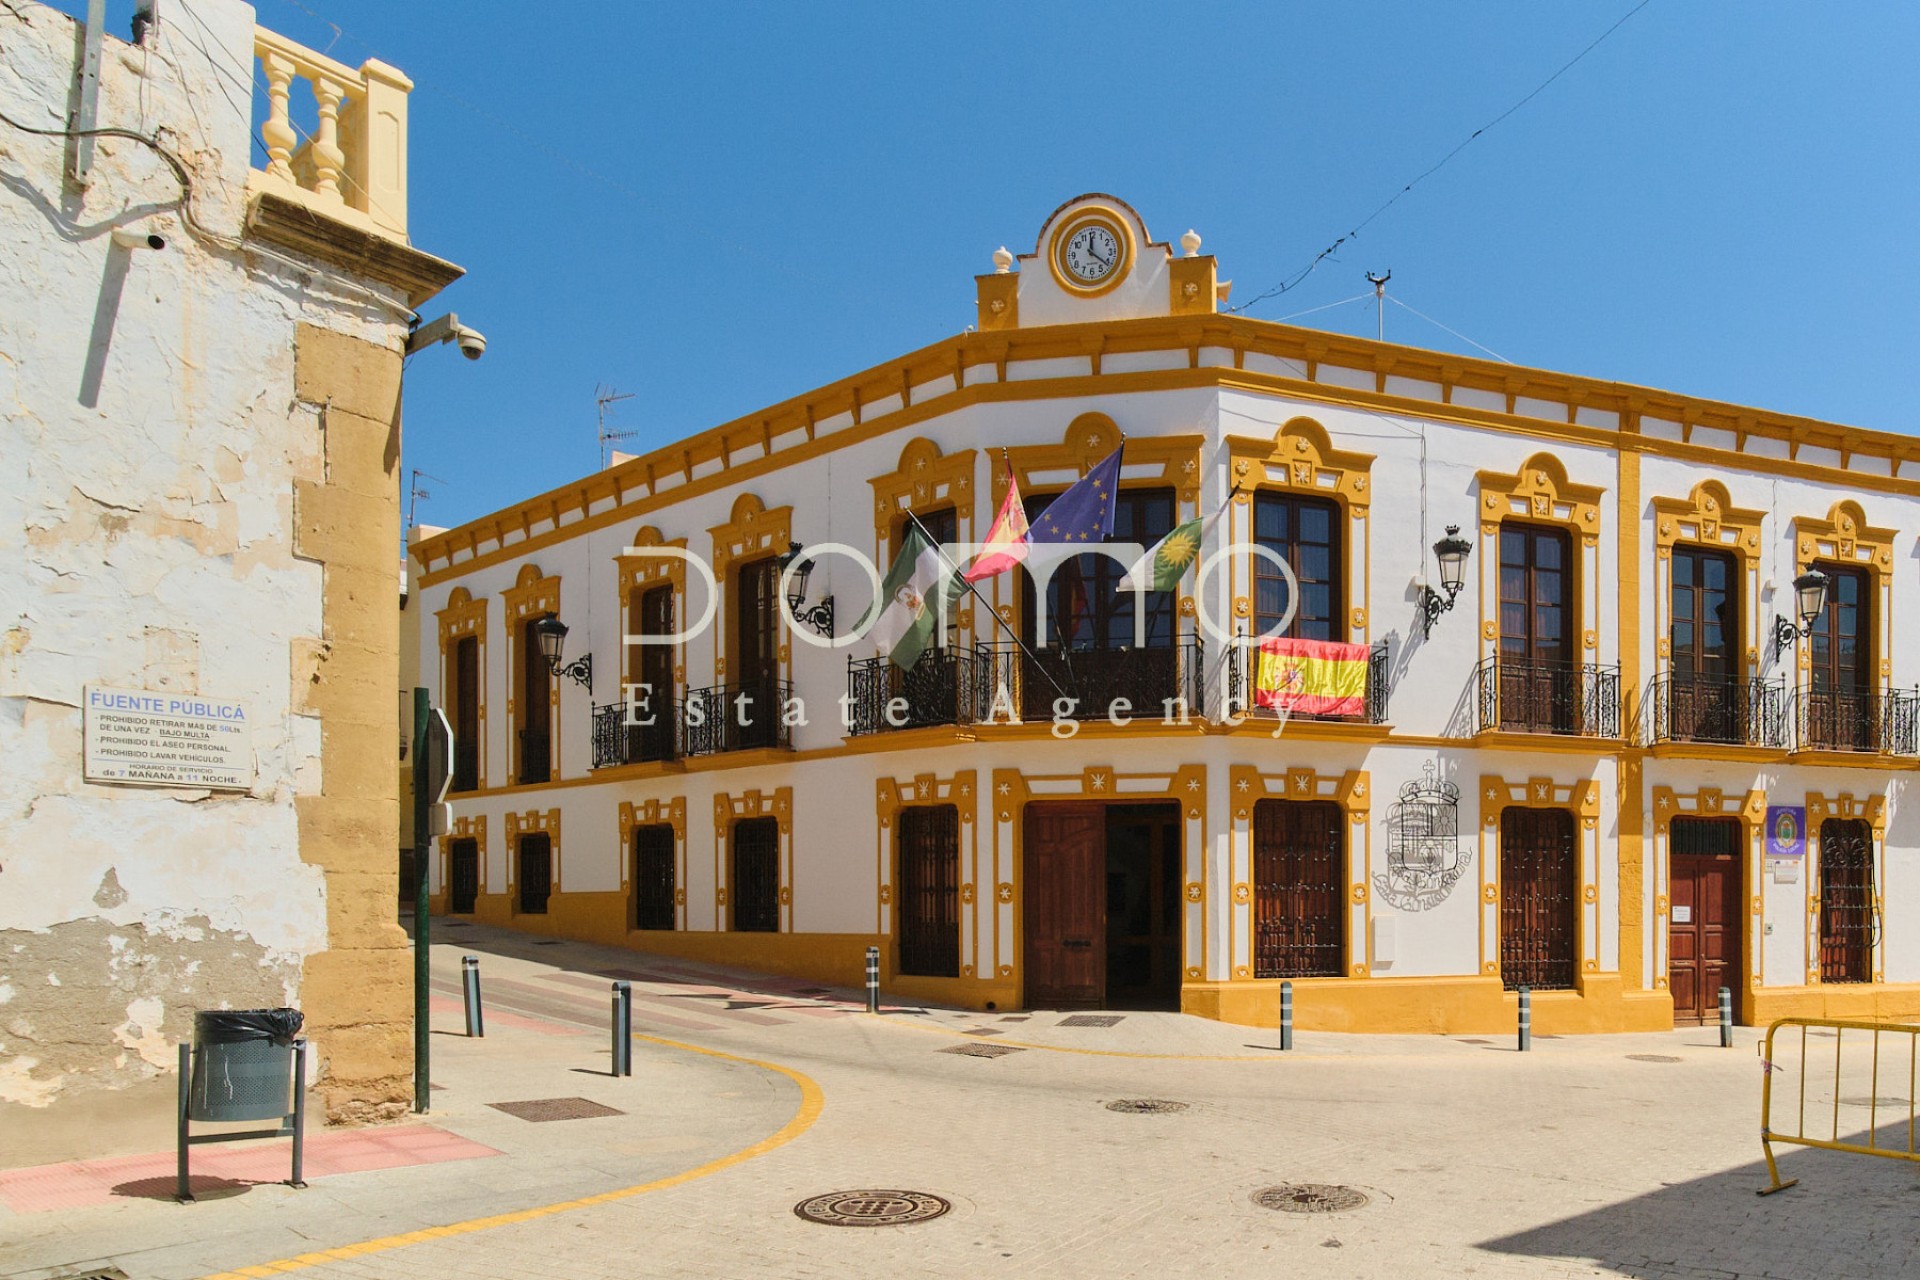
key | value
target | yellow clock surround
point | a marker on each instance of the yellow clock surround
(1079, 220)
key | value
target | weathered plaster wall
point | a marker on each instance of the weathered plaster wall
(195, 443)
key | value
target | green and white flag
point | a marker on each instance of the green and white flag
(911, 607)
(1160, 568)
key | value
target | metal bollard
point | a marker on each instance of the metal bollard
(622, 1029)
(873, 979)
(470, 987)
(1286, 1016)
(1526, 1019)
(1726, 1017)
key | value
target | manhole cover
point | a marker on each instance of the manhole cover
(1878, 1103)
(1310, 1197)
(1651, 1057)
(1146, 1106)
(982, 1050)
(540, 1109)
(1091, 1020)
(871, 1208)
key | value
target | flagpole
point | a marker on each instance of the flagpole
(991, 611)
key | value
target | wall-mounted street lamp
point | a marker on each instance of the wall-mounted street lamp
(552, 635)
(1451, 552)
(820, 617)
(1809, 601)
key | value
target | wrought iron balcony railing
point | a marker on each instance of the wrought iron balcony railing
(1879, 722)
(943, 687)
(1242, 665)
(1700, 708)
(1094, 680)
(1579, 699)
(735, 717)
(616, 742)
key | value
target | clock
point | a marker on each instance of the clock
(1091, 253)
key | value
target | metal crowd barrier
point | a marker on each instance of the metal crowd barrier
(1878, 1055)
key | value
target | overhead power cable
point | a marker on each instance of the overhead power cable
(1300, 275)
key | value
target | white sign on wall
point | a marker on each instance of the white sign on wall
(149, 739)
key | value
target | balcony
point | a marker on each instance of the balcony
(1883, 723)
(615, 742)
(735, 717)
(1239, 680)
(1716, 709)
(942, 688)
(1096, 680)
(1574, 699)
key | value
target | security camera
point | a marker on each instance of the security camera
(127, 238)
(472, 343)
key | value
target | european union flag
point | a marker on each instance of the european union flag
(1083, 513)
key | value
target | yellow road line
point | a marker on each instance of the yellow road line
(811, 1103)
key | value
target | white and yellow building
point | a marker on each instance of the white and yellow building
(1564, 782)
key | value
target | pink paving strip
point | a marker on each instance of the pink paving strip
(88, 1183)
(501, 1018)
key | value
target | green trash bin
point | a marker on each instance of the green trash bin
(243, 1064)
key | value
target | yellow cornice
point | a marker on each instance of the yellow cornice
(928, 382)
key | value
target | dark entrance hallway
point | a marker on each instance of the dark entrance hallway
(1102, 905)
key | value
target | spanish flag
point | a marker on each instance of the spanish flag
(1006, 541)
(1312, 677)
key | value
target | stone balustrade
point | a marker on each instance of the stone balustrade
(352, 164)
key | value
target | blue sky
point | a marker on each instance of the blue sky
(718, 206)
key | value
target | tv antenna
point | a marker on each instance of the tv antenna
(603, 396)
(415, 492)
(1379, 284)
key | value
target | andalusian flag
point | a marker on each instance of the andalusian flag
(1161, 567)
(907, 615)
(1313, 677)
(1006, 540)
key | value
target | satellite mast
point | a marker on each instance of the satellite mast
(415, 492)
(603, 396)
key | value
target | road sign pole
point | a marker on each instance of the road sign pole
(422, 804)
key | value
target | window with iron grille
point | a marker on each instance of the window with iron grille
(653, 877)
(1299, 872)
(1537, 898)
(463, 857)
(756, 875)
(928, 894)
(1846, 901)
(536, 874)
(1304, 532)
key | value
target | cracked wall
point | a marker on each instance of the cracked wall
(201, 450)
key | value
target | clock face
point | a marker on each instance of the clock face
(1092, 254)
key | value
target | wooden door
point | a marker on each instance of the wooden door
(1300, 895)
(1538, 878)
(654, 905)
(929, 891)
(653, 609)
(1703, 916)
(1841, 711)
(536, 709)
(466, 714)
(1704, 635)
(1143, 938)
(756, 650)
(1539, 688)
(1847, 916)
(1064, 903)
(536, 874)
(463, 876)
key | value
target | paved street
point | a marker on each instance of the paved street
(750, 1095)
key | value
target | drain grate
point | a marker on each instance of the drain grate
(1476, 1041)
(1146, 1106)
(1878, 1103)
(872, 1208)
(980, 1031)
(542, 1109)
(1091, 1020)
(1652, 1057)
(982, 1050)
(547, 942)
(98, 1273)
(1310, 1197)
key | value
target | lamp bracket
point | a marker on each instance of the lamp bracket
(580, 671)
(1432, 605)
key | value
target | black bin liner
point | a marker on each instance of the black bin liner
(242, 1063)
